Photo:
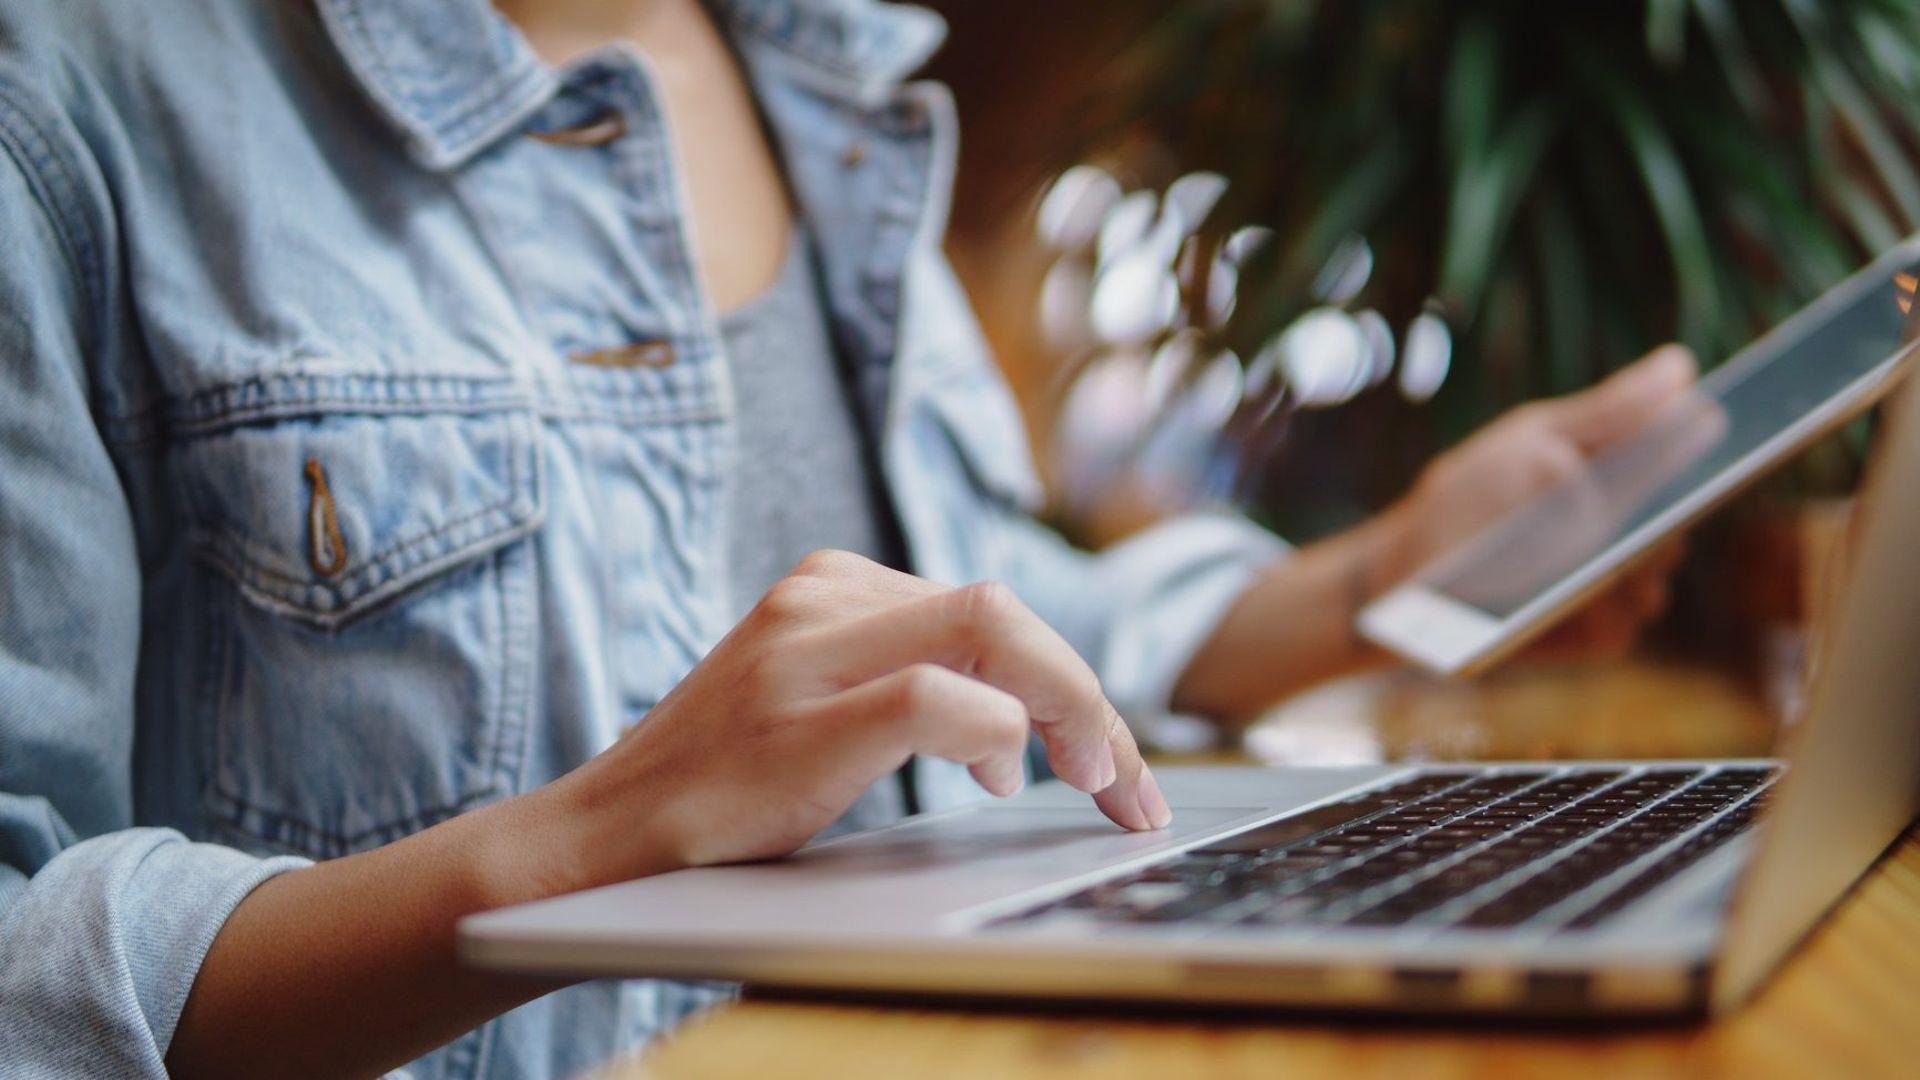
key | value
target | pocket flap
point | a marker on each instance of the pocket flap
(325, 516)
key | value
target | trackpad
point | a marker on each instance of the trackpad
(995, 835)
(907, 878)
(899, 877)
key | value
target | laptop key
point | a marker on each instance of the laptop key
(1592, 862)
(1664, 869)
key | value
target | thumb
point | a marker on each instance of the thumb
(1624, 403)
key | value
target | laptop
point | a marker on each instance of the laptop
(1625, 888)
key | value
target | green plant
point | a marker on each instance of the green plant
(1570, 183)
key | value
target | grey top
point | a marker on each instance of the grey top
(808, 478)
(807, 475)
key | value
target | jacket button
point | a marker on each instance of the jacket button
(640, 354)
(856, 153)
(599, 131)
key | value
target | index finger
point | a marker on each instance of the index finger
(984, 632)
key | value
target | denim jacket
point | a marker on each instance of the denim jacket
(363, 459)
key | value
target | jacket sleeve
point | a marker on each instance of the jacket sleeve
(1138, 611)
(103, 926)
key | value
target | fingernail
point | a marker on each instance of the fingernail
(1153, 805)
(1678, 359)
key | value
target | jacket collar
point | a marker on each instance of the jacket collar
(453, 76)
(858, 47)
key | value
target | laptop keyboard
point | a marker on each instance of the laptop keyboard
(1555, 848)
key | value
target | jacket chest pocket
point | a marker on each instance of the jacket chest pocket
(372, 642)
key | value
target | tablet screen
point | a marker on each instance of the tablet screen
(1723, 431)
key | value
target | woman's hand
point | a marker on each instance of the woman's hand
(1294, 627)
(1542, 445)
(843, 671)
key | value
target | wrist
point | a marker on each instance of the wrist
(620, 819)
(578, 832)
(1376, 557)
(1383, 553)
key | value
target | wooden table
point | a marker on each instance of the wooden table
(1848, 1004)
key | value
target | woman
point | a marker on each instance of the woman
(402, 400)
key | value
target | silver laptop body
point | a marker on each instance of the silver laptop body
(1542, 888)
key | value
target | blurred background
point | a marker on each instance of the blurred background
(1276, 254)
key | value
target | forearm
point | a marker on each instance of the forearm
(348, 967)
(1293, 628)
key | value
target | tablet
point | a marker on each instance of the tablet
(1820, 368)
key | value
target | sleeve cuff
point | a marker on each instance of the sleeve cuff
(1180, 577)
(108, 938)
(1140, 610)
